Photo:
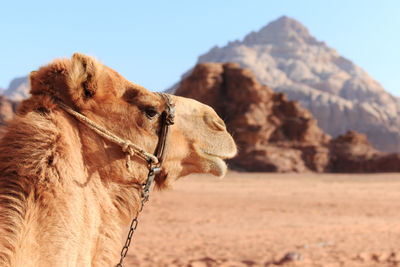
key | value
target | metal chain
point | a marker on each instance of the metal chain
(154, 170)
(132, 229)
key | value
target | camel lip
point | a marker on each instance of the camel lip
(226, 156)
(217, 165)
(220, 167)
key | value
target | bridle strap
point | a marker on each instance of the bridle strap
(168, 117)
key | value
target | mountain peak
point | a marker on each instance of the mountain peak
(342, 96)
(282, 30)
(285, 23)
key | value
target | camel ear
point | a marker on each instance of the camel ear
(33, 78)
(32, 74)
(83, 77)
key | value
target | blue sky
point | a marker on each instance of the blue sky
(154, 42)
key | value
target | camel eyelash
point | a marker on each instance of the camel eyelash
(150, 112)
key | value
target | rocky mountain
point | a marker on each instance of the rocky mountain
(7, 110)
(339, 94)
(273, 133)
(18, 89)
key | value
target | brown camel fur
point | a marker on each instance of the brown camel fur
(66, 196)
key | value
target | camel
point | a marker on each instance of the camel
(66, 194)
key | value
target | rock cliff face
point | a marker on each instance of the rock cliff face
(7, 110)
(352, 152)
(339, 94)
(18, 89)
(273, 133)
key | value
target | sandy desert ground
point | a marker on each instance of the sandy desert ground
(253, 219)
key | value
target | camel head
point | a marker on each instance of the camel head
(198, 141)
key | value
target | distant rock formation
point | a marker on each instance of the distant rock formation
(352, 152)
(7, 109)
(273, 133)
(18, 89)
(339, 94)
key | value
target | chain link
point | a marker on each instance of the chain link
(153, 171)
(132, 229)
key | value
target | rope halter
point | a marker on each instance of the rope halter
(154, 160)
(127, 146)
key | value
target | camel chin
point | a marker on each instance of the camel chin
(218, 166)
(214, 162)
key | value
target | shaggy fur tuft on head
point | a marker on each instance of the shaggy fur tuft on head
(83, 78)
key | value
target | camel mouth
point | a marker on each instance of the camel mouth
(223, 157)
(216, 163)
(218, 166)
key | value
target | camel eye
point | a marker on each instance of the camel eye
(151, 113)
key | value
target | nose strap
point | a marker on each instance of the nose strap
(167, 119)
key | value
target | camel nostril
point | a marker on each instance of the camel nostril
(214, 122)
(219, 124)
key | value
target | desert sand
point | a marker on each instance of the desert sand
(255, 219)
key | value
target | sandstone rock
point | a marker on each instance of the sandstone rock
(7, 110)
(339, 94)
(274, 134)
(352, 152)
